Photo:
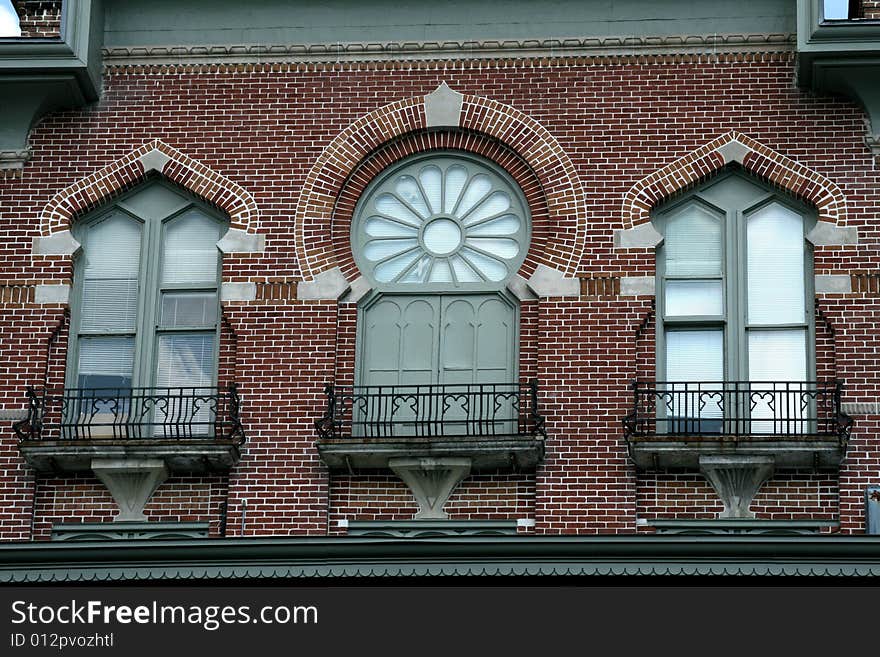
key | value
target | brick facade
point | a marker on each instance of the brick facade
(284, 150)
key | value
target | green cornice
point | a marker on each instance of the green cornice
(346, 557)
(42, 75)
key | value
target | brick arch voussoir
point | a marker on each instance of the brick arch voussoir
(136, 166)
(755, 157)
(565, 196)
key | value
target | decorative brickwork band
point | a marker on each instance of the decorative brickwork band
(180, 169)
(542, 153)
(751, 155)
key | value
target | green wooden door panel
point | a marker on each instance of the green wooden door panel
(415, 340)
(399, 341)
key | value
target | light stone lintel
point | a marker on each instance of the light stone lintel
(52, 293)
(360, 287)
(154, 160)
(60, 243)
(238, 291)
(330, 284)
(636, 286)
(520, 288)
(825, 233)
(443, 107)
(643, 236)
(833, 284)
(549, 282)
(240, 241)
(861, 408)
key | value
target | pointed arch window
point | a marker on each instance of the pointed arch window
(145, 303)
(734, 285)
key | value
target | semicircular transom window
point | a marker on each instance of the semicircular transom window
(441, 221)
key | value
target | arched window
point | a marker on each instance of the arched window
(145, 306)
(439, 235)
(734, 291)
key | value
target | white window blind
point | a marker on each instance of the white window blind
(110, 276)
(693, 243)
(185, 360)
(777, 365)
(698, 357)
(775, 243)
(190, 252)
(693, 297)
(105, 362)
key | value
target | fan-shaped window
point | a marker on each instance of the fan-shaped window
(442, 221)
(439, 235)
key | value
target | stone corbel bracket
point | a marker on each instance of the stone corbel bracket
(431, 481)
(736, 480)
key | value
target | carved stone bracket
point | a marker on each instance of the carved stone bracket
(736, 480)
(431, 481)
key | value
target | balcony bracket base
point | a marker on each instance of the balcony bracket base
(131, 482)
(431, 481)
(736, 480)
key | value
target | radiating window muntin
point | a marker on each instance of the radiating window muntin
(164, 332)
(441, 221)
(749, 319)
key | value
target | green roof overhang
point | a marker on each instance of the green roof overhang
(40, 75)
(298, 558)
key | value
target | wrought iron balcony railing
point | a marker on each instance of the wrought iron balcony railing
(731, 410)
(432, 411)
(84, 414)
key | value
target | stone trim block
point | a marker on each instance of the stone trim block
(51, 294)
(635, 286)
(60, 243)
(644, 236)
(833, 284)
(550, 282)
(238, 291)
(825, 233)
(861, 408)
(443, 107)
(360, 287)
(330, 284)
(519, 287)
(239, 241)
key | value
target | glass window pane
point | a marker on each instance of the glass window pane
(105, 362)
(110, 274)
(185, 360)
(836, 9)
(775, 237)
(693, 243)
(188, 309)
(694, 368)
(777, 365)
(190, 252)
(693, 298)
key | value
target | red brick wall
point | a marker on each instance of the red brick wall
(871, 9)
(39, 18)
(264, 127)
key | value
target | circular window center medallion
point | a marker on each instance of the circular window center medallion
(442, 236)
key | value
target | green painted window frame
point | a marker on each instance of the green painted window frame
(147, 330)
(375, 297)
(733, 321)
(473, 164)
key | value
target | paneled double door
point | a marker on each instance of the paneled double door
(451, 343)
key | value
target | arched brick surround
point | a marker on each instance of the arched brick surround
(757, 158)
(564, 198)
(421, 142)
(133, 168)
